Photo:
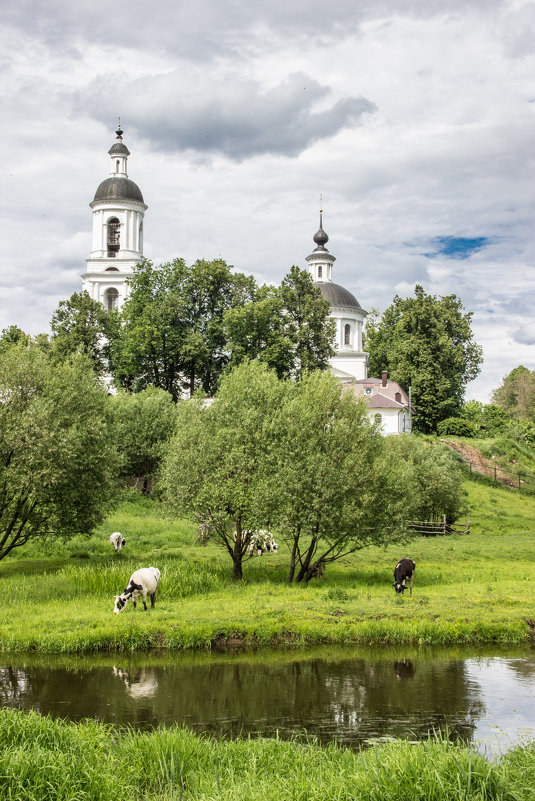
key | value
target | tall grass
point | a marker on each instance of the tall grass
(45, 759)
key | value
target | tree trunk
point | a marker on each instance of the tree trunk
(293, 555)
(306, 561)
(238, 572)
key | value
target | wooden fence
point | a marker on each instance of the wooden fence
(432, 528)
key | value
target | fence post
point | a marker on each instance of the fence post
(495, 474)
(444, 525)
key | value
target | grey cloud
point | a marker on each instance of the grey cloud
(206, 29)
(525, 335)
(230, 116)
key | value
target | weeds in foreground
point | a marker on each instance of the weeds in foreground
(41, 758)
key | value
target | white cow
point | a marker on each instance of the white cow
(142, 582)
(258, 541)
(117, 540)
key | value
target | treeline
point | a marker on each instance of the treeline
(182, 326)
(302, 457)
(511, 412)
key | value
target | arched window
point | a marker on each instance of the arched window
(320, 272)
(112, 269)
(114, 233)
(347, 334)
(111, 298)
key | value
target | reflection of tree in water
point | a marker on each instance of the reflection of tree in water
(351, 700)
(524, 666)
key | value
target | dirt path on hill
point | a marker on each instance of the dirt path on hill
(478, 462)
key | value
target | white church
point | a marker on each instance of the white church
(118, 212)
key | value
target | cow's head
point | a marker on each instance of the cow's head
(399, 586)
(123, 543)
(120, 604)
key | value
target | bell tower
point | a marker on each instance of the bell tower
(118, 211)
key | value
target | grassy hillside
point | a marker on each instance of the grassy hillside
(477, 588)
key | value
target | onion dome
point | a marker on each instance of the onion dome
(320, 237)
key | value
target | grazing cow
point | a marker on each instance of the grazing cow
(117, 541)
(142, 582)
(403, 571)
(258, 541)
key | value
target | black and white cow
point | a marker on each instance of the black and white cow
(142, 582)
(403, 572)
(117, 540)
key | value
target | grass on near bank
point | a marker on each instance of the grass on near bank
(42, 758)
(473, 589)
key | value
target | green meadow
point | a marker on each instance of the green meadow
(468, 589)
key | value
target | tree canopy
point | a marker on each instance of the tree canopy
(301, 458)
(80, 324)
(58, 464)
(169, 333)
(516, 394)
(143, 424)
(426, 342)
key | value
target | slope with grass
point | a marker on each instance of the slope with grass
(473, 589)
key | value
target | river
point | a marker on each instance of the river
(354, 696)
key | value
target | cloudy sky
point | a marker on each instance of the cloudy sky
(413, 119)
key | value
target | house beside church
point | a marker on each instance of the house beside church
(117, 246)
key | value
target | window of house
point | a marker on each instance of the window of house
(320, 272)
(347, 334)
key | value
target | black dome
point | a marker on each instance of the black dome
(337, 295)
(118, 189)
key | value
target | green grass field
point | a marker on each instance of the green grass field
(473, 589)
(45, 759)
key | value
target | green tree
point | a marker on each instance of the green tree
(58, 463)
(143, 425)
(12, 336)
(517, 394)
(426, 342)
(332, 484)
(435, 477)
(170, 332)
(216, 461)
(80, 324)
(287, 327)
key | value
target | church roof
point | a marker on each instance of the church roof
(118, 188)
(119, 148)
(337, 295)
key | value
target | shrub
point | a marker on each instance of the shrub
(456, 426)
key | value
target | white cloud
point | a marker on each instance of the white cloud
(231, 151)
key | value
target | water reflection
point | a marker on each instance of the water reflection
(350, 696)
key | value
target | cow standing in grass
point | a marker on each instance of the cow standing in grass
(403, 572)
(142, 582)
(117, 540)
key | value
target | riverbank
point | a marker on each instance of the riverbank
(42, 758)
(473, 589)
